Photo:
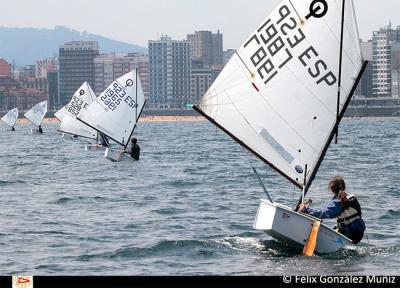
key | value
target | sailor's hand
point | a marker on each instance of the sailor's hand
(303, 207)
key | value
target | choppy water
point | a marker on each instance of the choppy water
(186, 209)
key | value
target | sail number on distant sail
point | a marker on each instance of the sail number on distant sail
(77, 104)
(272, 47)
(39, 109)
(114, 96)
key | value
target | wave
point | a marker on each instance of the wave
(11, 182)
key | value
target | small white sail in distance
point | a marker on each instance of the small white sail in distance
(278, 95)
(11, 117)
(116, 111)
(37, 113)
(79, 103)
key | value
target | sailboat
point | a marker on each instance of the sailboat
(10, 118)
(80, 101)
(36, 115)
(115, 113)
(282, 97)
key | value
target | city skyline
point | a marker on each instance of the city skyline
(192, 16)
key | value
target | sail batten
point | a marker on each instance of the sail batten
(278, 94)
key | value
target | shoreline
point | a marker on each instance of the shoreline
(141, 120)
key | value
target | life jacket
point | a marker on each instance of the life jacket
(350, 213)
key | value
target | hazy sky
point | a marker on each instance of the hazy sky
(136, 21)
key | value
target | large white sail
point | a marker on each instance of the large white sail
(278, 95)
(37, 113)
(11, 117)
(117, 110)
(80, 102)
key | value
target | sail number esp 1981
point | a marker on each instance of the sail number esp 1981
(114, 96)
(273, 45)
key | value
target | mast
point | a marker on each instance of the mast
(340, 72)
(341, 115)
(137, 119)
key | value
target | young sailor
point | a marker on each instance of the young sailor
(135, 149)
(345, 208)
(104, 141)
(40, 129)
(12, 128)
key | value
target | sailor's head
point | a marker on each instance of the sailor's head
(134, 140)
(337, 185)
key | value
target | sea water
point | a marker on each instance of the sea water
(187, 208)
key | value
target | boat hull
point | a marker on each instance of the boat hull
(114, 155)
(34, 131)
(293, 228)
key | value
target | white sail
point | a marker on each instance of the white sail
(80, 102)
(117, 110)
(278, 94)
(11, 117)
(59, 114)
(37, 113)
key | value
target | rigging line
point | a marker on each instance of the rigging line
(227, 76)
(340, 73)
(244, 63)
(338, 40)
(356, 44)
(295, 10)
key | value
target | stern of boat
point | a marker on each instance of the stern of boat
(293, 228)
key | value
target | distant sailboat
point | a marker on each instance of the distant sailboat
(115, 113)
(11, 118)
(282, 97)
(80, 101)
(36, 115)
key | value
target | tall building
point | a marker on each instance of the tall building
(384, 66)
(5, 68)
(170, 67)
(200, 80)
(108, 67)
(207, 47)
(52, 78)
(44, 66)
(76, 65)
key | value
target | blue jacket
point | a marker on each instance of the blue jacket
(332, 210)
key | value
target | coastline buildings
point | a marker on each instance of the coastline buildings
(13, 95)
(170, 67)
(76, 60)
(108, 67)
(45, 66)
(5, 68)
(206, 47)
(386, 62)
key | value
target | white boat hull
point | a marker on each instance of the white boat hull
(34, 131)
(94, 147)
(114, 155)
(293, 228)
